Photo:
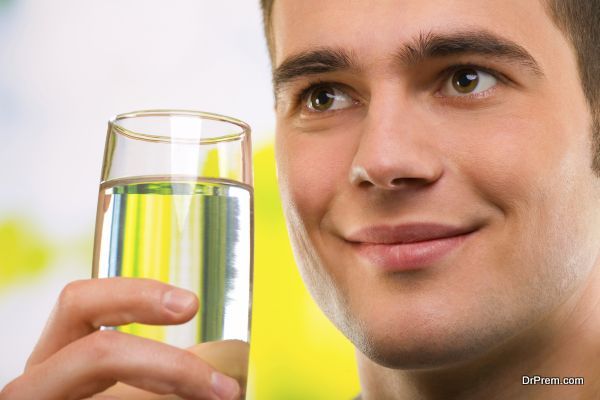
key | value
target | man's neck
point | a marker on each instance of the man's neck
(565, 344)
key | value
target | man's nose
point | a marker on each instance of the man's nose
(396, 150)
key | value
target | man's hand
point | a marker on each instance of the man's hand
(227, 356)
(74, 359)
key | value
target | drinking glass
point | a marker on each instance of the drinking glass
(176, 205)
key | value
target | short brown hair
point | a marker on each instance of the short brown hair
(267, 7)
(579, 20)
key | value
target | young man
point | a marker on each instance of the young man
(439, 167)
(438, 163)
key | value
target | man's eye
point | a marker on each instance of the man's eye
(466, 81)
(326, 98)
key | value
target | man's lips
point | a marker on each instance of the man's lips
(409, 233)
(409, 246)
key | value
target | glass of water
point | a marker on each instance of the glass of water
(176, 205)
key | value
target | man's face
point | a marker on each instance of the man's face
(434, 161)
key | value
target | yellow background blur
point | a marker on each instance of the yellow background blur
(296, 353)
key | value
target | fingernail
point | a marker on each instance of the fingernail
(223, 386)
(178, 300)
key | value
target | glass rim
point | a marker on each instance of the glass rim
(114, 125)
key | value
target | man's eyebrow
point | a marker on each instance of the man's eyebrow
(313, 62)
(424, 46)
(479, 42)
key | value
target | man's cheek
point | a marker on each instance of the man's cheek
(312, 176)
(310, 191)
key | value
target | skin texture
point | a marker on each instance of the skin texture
(519, 296)
(74, 360)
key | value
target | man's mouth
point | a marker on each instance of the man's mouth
(407, 246)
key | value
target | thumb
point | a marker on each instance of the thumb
(227, 356)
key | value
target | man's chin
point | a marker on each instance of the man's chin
(412, 358)
(422, 350)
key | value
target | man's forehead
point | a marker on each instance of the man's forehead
(380, 25)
